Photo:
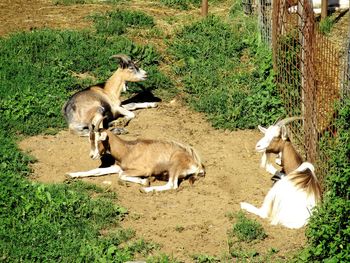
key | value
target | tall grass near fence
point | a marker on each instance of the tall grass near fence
(226, 73)
(59, 223)
(329, 229)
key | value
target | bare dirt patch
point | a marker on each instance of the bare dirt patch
(190, 220)
(193, 219)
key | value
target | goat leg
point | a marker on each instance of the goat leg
(139, 105)
(97, 172)
(133, 175)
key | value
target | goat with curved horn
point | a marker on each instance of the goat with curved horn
(291, 200)
(124, 60)
(86, 106)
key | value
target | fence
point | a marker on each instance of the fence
(312, 73)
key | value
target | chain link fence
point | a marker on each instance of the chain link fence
(312, 74)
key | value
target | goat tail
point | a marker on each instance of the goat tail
(304, 177)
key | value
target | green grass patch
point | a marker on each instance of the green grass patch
(181, 4)
(247, 230)
(226, 74)
(39, 69)
(326, 24)
(242, 237)
(118, 21)
(62, 222)
(81, 2)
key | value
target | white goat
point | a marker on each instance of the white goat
(333, 5)
(138, 160)
(89, 105)
(291, 200)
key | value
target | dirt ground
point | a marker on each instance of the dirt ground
(191, 220)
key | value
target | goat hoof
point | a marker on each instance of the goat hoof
(68, 178)
(244, 205)
(152, 105)
(146, 182)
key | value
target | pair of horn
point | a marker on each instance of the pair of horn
(124, 59)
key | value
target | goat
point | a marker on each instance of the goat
(291, 200)
(89, 105)
(138, 160)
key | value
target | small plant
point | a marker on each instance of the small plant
(247, 230)
(179, 228)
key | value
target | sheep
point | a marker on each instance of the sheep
(291, 199)
(136, 161)
(89, 105)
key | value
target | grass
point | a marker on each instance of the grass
(247, 230)
(54, 222)
(81, 2)
(117, 22)
(222, 70)
(61, 222)
(40, 69)
(226, 73)
(241, 237)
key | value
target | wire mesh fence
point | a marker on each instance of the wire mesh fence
(311, 73)
(264, 11)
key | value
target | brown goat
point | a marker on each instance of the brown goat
(138, 160)
(88, 106)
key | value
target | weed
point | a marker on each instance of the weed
(116, 22)
(328, 230)
(179, 228)
(326, 24)
(247, 230)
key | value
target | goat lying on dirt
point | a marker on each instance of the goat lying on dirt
(137, 161)
(89, 105)
(291, 199)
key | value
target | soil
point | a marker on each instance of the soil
(192, 220)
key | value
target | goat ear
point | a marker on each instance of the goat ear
(284, 133)
(103, 136)
(262, 129)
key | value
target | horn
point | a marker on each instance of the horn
(288, 120)
(97, 126)
(124, 59)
